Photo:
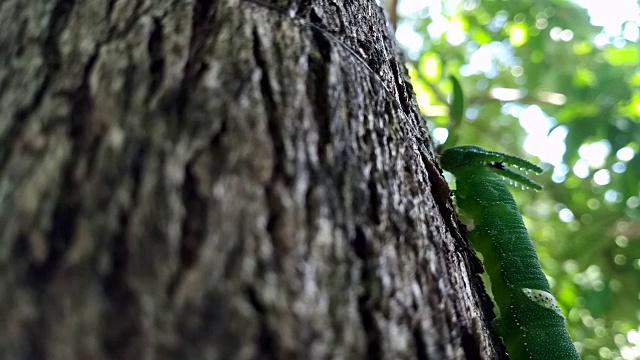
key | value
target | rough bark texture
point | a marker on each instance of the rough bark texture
(222, 180)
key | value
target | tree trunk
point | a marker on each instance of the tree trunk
(222, 180)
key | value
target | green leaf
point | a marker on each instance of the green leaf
(622, 57)
(457, 103)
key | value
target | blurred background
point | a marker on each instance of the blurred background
(558, 83)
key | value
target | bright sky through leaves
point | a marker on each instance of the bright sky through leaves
(613, 14)
(618, 17)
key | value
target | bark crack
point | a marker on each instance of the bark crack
(194, 223)
(266, 342)
(121, 328)
(68, 205)
(156, 57)
(318, 92)
(366, 308)
(204, 12)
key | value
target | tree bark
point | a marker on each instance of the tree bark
(222, 180)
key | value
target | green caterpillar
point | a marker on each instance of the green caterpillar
(530, 323)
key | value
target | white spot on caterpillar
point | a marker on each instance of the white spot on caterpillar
(543, 299)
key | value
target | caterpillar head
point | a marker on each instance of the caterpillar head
(470, 155)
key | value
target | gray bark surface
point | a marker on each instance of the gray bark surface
(222, 180)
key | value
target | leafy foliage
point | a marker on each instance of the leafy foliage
(538, 75)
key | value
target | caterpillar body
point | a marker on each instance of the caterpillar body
(530, 323)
